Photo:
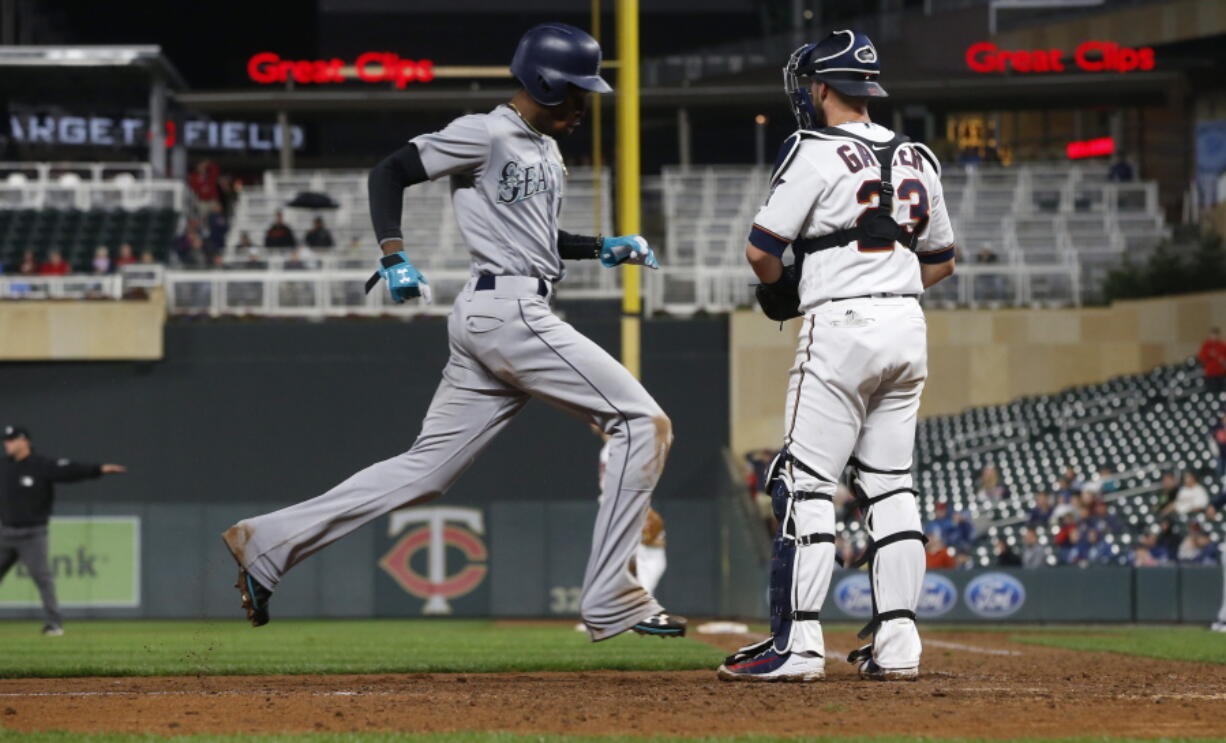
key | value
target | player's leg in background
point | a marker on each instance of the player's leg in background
(882, 464)
(469, 408)
(650, 560)
(32, 550)
(571, 372)
(8, 553)
(1220, 624)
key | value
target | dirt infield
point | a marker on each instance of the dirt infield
(973, 685)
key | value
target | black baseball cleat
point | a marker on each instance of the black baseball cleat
(661, 625)
(52, 630)
(255, 598)
(253, 593)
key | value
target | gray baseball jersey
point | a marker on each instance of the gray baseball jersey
(507, 346)
(507, 185)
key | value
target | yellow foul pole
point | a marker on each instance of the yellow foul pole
(628, 171)
(597, 140)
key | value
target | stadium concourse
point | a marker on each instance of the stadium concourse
(1044, 234)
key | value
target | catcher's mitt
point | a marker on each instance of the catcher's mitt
(781, 300)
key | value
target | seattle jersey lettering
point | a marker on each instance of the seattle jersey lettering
(519, 182)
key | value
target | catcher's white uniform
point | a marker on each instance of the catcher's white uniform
(861, 363)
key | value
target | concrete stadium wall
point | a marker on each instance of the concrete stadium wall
(42, 330)
(983, 357)
(526, 558)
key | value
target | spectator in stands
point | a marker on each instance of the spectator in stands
(298, 260)
(279, 234)
(990, 490)
(1074, 482)
(244, 241)
(216, 226)
(147, 259)
(319, 236)
(1121, 170)
(956, 528)
(55, 265)
(1005, 556)
(986, 255)
(1202, 550)
(252, 259)
(125, 257)
(203, 183)
(1093, 550)
(1197, 547)
(1167, 490)
(28, 265)
(1212, 356)
(1169, 537)
(1041, 513)
(189, 253)
(1102, 520)
(1068, 533)
(1217, 442)
(227, 194)
(939, 555)
(1191, 497)
(102, 261)
(1034, 554)
(1102, 482)
(1150, 553)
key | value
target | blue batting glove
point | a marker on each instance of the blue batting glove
(632, 249)
(403, 280)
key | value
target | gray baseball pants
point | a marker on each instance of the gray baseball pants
(507, 346)
(29, 545)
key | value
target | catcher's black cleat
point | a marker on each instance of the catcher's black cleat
(661, 625)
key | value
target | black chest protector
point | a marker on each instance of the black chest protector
(877, 225)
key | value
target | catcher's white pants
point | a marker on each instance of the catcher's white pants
(507, 346)
(855, 391)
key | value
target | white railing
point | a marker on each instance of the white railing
(126, 195)
(61, 287)
(318, 293)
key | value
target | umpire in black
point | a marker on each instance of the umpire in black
(27, 493)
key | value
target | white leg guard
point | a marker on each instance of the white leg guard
(649, 565)
(896, 565)
(803, 562)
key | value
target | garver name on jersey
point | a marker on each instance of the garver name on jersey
(519, 182)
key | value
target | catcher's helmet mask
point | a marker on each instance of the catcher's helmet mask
(845, 60)
(552, 56)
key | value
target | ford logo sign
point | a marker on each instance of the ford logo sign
(938, 597)
(854, 596)
(995, 595)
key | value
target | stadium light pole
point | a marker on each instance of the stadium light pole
(628, 217)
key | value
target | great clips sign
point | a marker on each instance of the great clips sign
(268, 68)
(1090, 56)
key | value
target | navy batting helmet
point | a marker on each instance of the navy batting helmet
(550, 56)
(844, 60)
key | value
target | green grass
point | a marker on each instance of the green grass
(1167, 643)
(157, 648)
(475, 737)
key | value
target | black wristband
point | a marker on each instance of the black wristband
(579, 247)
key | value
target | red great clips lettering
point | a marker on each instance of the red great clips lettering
(1089, 56)
(372, 67)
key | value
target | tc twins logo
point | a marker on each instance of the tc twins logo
(519, 182)
(435, 536)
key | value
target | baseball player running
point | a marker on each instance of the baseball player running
(507, 346)
(863, 211)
